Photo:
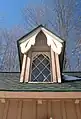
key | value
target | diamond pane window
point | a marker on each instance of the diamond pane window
(41, 68)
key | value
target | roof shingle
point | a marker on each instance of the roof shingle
(10, 82)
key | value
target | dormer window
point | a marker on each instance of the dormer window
(40, 52)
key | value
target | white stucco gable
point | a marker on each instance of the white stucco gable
(52, 40)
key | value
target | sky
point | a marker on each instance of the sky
(11, 11)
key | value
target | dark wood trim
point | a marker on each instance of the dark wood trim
(40, 48)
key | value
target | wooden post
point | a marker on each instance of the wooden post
(23, 68)
(27, 71)
(53, 66)
(58, 68)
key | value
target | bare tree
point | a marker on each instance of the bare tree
(34, 16)
(77, 53)
(68, 24)
(2, 46)
(9, 59)
(63, 18)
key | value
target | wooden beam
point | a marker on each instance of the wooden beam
(53, 66)
(23, 68)
(27, 71)
(58, 68)
(40, 95)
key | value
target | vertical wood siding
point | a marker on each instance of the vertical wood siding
(32, 109)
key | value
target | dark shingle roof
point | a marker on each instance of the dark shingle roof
(10, 82)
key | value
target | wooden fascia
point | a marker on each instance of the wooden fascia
(40, 95)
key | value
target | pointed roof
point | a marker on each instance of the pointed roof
(39, 27)
(25, 42)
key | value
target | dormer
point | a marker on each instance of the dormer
(41, 54)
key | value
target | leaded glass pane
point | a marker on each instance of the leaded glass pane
(41, 66)
(40, 78)
(48, 66)
(36, 61)
(41, 57)
(49, 77)
(41, 69)
(46, 72)
(45, 62)
(35, 72)
(33, 66)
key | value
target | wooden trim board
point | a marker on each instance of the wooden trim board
(27, 71)
(53, 66)
(58, 68)
(23, 68)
